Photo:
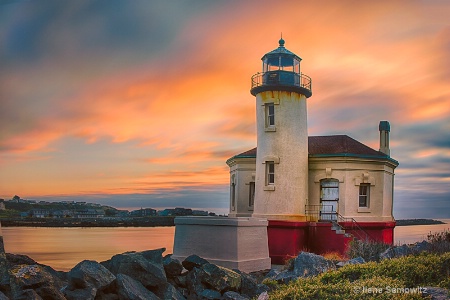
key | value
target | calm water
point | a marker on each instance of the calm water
(63, 248)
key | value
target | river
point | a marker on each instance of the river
(63, 248)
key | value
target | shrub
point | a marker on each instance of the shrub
(346, 283)
(440, 241)
(368, 250)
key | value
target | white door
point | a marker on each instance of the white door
(329, 199)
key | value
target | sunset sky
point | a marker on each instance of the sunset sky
(140, 103)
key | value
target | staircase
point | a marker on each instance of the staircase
(339, 223)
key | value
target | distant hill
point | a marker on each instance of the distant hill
(409, 222)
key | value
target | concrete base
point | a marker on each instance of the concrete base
(234, 243)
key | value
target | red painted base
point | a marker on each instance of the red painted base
(287, 239)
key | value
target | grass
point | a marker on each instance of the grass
(378, 280)
(397, 278)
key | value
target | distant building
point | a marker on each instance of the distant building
(89, 213)
(62, 213)
(199, 213)
(2, 204)
(143, 212)
(40, 213)
(178, 211)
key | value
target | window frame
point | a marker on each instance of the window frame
(364, 195)
(270, 116)
(270, 174)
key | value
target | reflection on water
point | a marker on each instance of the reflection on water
(415, 233)
(63, 248)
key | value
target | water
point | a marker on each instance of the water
(63, 248)
(416, 233)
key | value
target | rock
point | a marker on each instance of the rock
(87, 293)
(272, 274)
(263, 296)
(130, 289)
(153, 255)
(89, 273)
(233, 296)
(28, 294)
(180, 280)
(220, 278)
(194, 282)
(211, 294)
(354, 261)
(399, 251)
(193, 261)
(285, 277)
(35, 277)
(172, 266)
(422, 246)
(249, 286)
(309, 264)
(168, 292)
(3, 296)
(135, 265)
(435, 293)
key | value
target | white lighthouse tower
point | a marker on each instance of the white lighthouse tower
(281, 181)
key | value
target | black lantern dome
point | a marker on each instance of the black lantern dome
(281, 71)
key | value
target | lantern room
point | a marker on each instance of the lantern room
(281, 71)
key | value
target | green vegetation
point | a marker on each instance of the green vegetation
(373, 280)
(368, 250)
(397, 278)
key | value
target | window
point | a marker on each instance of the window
(364, 192)
(251, 196)
(270, 173)
(270, 114)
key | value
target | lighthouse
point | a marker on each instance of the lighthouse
(281, 175)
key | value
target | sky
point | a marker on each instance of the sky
(140, 103)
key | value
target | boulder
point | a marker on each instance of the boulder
(3, 296)
(285, 277)
(354, 261)
(193, 261)
(249, 285)
(28, 294)
(272, 274)
(135, 265)
(399, 251)
(309, 264)
(87, 293)
(35, 277)
(194, 282)
(263, 296)
(153, 255)
(435, 293)
(168, 292)
(130, 289)
(220, 278)
(89, 273)
(210, 294)
(172, 266)
(233, 296)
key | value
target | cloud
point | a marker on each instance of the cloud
(151, 94)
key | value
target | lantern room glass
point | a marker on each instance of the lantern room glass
(281, 62)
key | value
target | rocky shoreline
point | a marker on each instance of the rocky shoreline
(149, 275)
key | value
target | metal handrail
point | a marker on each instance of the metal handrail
(313, 214)
(359, 229)
(285, 78)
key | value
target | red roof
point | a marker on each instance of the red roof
(332, 145)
